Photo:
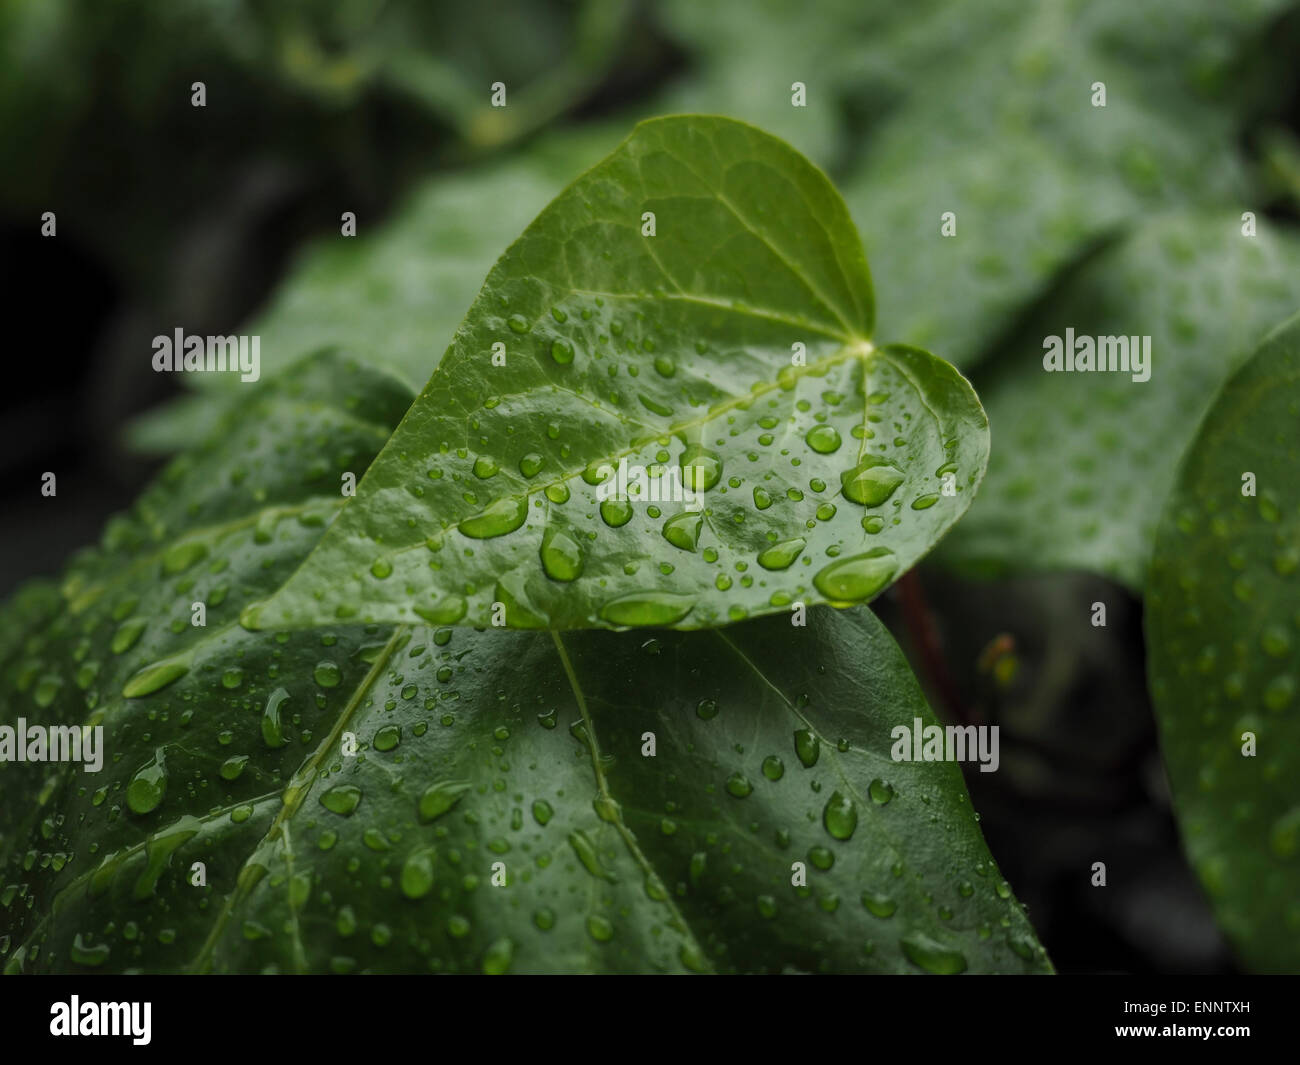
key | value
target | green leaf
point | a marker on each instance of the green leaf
(1001, 131)
(1085, 460)
(1223, 638)
(227, 747)
(930, 107)
(790, 459)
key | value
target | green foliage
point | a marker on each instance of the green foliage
(1223, 627)
(227, 747)
(817, 481)
(1085, 461)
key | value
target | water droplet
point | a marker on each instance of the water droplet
(542, 812)
(327, 674)
(854, 579)
(156, 675)
(664, 366)
(683, 530)
(878, 904)
(518, 324)
(440, 797)
(272, 735)
(145, 791)
(871, 482)
(85, 955)
(599, 928)
(586, 852)
(562, 351)
(840, 816)
(773, 767)
(446, 611)
(557, 493)
(561, 555)
(531, 464)
(807, 746)
(880, 792)
(931, 955)
(780, 556)
(739, 786)
(657, 609)
(706, 709)
(824, 439)
(498, 518)
(126, 635)
(417, 874)
(615, 512)
(341, 799)
(182, 556)
(484, 468)
(381, 568)
(701, 468)
(762, 500)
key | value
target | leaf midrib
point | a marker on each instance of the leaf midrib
(862, 349)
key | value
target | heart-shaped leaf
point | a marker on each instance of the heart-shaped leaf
(663, 409)
(1223, 637)
(406, 799)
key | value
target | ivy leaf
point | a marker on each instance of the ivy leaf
(1087, 459)
(1223, 638)
(681, 428)
(228, 748)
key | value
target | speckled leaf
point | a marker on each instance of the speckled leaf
(678, 353)
(1085, 460)
(1223, 637)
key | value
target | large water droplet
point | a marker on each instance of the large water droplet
(417, 873)
(561, 555)
(497, 519)
(147, 786)
(823, 439)
(851, 580)
(871, 482)
(780, 556)
(701, 468)
(156, 675)
(683, 530)
(615, 512)
(440, 797)
(931, 955)
(840, 816)
(341, 799)
(807, 746)
(327, 674)
(647, 608)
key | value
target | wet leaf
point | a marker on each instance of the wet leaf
(678, 428)
(1223, 636)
